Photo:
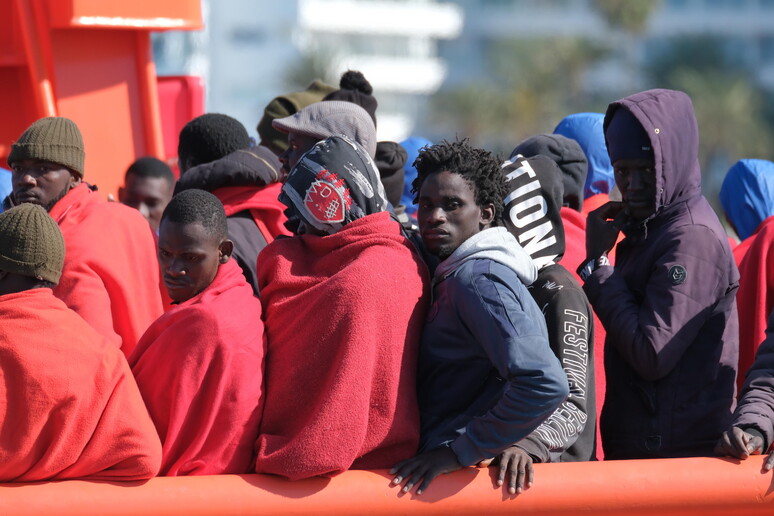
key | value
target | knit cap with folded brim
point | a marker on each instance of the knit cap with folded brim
(31, 243)
(322, 120)
(55, 139)
(286, 105)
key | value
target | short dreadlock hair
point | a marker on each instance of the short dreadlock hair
(198, 206)
(480, 168)
(210, 137)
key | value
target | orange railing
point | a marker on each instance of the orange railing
(702, 486)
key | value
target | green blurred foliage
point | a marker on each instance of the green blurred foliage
(732, 110)
(533, 81)
(628, 15)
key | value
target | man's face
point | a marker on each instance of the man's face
(189, 257)
(149, 195)
(448, 214)
(636, 179)
(298, 145)
(41, 182)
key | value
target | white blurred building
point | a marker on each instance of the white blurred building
(249, 48)
(746, 27)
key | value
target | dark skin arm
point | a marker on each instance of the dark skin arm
(740, 444)
(425, 467)
(602, 228)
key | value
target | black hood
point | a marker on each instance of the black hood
(256, 166)
(565, 152)
(532, 207)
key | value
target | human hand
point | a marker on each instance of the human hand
(425, 467)
(602, 228)
(517, 464)
(740, 444)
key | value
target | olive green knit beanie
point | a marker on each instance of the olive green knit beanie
(56, 139)
(286, 105)
(31, 243)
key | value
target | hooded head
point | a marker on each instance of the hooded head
(667, 121)
(747, 195)
(412, 145)
(586, 129)
(532, 207)
(390, 160)
(333, 184)
(568, 155)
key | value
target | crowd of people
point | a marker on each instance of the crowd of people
(322, 301)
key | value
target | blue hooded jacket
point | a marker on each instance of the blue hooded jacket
(747, 195)
(586, 129)
(412, 145)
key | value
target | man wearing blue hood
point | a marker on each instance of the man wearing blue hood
(586, 129)
(669, 304)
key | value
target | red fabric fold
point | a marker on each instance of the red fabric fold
(111, 272)
(267, 212)
(755, 297)
(593, 202)
(199, 369)
(68, 403)
(343, 314)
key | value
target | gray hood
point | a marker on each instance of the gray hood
(495, 244)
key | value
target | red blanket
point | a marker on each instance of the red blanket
(267, 212)
(741, 248)
(199, 369)
(755, 298)
(592, 203)
(69, 405)
(111, 272)
(343, 316)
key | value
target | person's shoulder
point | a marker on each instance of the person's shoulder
(695, 229)
(479, 273)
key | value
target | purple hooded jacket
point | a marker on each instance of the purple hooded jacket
(669, 304)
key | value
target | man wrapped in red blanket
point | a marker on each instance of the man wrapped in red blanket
(199, 366)
(344, 305)
(69, 405)
(110, 275)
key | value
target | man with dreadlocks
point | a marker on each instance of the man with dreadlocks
(344, 302)
(199, 365)
(487, 376)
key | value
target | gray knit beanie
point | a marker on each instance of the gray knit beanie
(55, 139)
(322, 120)
(31, 243)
